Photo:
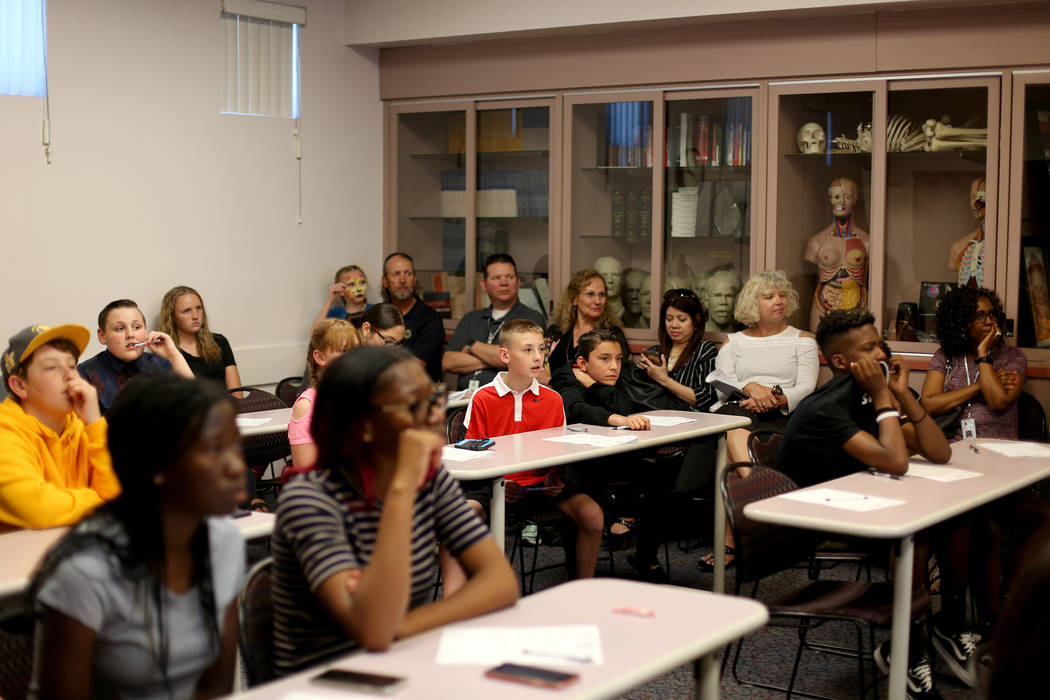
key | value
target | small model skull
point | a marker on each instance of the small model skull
(864, 137)
(811, 138)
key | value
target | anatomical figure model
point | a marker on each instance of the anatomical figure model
(967, 254)
(840, 253)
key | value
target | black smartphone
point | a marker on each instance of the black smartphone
(532, 675)
(653, 356)
(359, 680)
(480, 444)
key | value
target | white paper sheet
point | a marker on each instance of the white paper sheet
(846, 500)
(668, 421)
(925, 470)
(594, 440)
(558, 645)
(454, 454)
(1016, 449)
(460, 395)
(245, 422)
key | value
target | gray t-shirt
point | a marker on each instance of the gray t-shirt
(481, 325)
(89, 587)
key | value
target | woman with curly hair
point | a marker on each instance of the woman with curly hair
(182, 316)
(582, 308)
(974, 368)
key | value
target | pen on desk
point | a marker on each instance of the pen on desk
(974, 448)
(576, 428)
(633, 610)
(845, 500)
(876, 472)
(562, 657)
(622, 427)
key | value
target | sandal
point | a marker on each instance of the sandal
(259, 506)
(707, 562)
(620, 540)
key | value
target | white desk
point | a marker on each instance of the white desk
(276, 421)
(524, 451)
(687, 625)
(926, 503)
(21, 551)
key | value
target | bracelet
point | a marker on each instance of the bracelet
(986, 358)
(916, 422)
(885, 414)
(887, 409)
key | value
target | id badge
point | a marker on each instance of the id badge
(473, 385)
(969, 428)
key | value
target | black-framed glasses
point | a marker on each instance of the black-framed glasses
(982, 316)
(421, 408)
(386, 340)
(682, 292)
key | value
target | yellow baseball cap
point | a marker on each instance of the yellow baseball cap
(26, 341)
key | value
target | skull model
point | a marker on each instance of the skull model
(811, 138)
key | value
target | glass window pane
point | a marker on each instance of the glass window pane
(513, 197)
(823, 200)
(612, 201)
(431, 204)
(708, 184)
(937, 147)
(1033, 314)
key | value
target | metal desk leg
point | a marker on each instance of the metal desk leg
(705, 670)
(497, 511)
(720, 520)
(902, 585)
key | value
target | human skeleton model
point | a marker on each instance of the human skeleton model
(811, 138)
(967, 254)
(612, 272)
(904, 135)
(840, 253)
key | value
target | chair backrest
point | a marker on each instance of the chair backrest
(261, 450)
(761, 548)
(454, 428)
(287, 389)
(248, 399)
(1031, 419)
(762, 446)
(256, 623)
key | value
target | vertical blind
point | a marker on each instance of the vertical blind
(23, 48)
(260, 64)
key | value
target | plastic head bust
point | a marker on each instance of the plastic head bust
(843, 196)
(720, 296)
(632, 283)
(612, 272)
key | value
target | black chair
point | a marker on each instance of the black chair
(454, 428)
(762, 446)
(17, 627)
(255, 635)
(288, 389)
(763, 549)
(1031, 419)
(261, 451)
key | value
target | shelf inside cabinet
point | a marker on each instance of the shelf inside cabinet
(480, 218)
(618, 168)
(714, 172)
(501, 154)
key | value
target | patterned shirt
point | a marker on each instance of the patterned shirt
(324, 526)
(990, 424)
(108, 374)
(693, 373)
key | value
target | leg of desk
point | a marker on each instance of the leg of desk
(497, 511)
(902, 585)
(705, 669)
(720, 519)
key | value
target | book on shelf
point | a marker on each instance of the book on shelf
(619, 211)
(630, 218)
(626, 140)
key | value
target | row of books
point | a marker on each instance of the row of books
(501, 193)
(705, 139)
(504, 130)
(632, 213)
(626, 137)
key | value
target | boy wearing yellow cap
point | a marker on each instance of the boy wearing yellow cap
(54, 463)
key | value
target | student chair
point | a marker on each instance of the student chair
(762, 446)
(17, 626)
(261, 451)
(1031, 419)
(764, 549)
(454, 428)
(255, 611)
(288, 389)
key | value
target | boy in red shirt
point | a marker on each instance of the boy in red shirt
(515, 402)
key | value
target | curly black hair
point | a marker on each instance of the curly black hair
(955, 314)
(836, 325)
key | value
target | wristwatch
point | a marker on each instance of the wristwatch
(777, 391)
(986, 358)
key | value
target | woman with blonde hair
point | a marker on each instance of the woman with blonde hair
(209, 355)
(581, 308)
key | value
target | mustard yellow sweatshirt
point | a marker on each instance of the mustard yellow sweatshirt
(49, 480)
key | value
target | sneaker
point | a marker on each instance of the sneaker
(530, 534)
(957, 650)
(920, 676)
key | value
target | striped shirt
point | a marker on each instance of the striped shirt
(693, 373)
(325, 526)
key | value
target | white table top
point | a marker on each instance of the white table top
(21, 551)
(687, 624)
(276, 421)
(523, 451)
(927, 502)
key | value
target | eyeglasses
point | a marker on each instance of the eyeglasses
(422, 408)
(386, 340)
(982, 316)
(687, 293)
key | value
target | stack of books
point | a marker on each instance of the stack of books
(626, 138)
(453, 193)
(712, 140)
(683, 212)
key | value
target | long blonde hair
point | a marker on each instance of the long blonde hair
(329, 334)
(565, 312)
(206, 345)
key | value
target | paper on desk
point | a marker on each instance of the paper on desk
(1016, 449)
(561, 645)
(594, 440)
(245, 422)
(935, 473)
(454, 454)
(846, 500)
(668, 421)
(460, 395)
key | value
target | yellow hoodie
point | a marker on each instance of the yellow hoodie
(49, 480)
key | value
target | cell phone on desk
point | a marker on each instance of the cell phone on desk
(532, 675)
(476, 445)
(359, 680)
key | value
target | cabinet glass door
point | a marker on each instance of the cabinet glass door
(431, 203)
(1033, 309)
(823, 143)
(612, 202)
(707, 220)
(939, 201)
(513, 197)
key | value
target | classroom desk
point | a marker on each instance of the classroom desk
(523, 451)
(926, 503)
(21, 551)
(688, 625)
(276, 422)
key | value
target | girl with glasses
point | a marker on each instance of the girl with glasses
(382, 325)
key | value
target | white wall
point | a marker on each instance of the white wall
(150, 187)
